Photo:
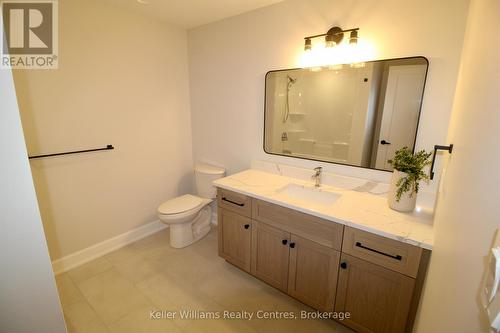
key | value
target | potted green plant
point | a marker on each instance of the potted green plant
(405, 182)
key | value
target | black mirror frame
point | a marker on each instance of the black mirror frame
(345, 164)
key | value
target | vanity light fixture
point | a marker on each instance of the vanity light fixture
(353, 39)
(333, 37)
(336, 47)
(308, 45)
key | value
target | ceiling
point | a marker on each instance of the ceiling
(193, 13)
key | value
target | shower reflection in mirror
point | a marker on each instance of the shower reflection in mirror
(350, 114)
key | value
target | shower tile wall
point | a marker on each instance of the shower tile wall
(328, 112)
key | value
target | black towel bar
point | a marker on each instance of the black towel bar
(436, 148)
(108, 147)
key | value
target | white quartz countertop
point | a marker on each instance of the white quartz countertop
(360, 210)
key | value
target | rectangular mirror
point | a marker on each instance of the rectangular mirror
(356, 114)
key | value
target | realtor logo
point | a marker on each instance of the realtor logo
(29, 30)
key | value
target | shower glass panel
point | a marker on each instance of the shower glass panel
(350, 114)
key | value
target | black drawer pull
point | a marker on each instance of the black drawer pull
(247, 226)
(284, 241)
(397, 257)
(233, 202)
(343, 265)
(292, 245)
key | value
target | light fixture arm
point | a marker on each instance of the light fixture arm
(336, 29)
(332, 37)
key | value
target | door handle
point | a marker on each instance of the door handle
(247, 226)
(343, 265)
(292, 245)
(284, 241)
(383, 142)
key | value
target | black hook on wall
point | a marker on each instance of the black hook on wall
(449, 149)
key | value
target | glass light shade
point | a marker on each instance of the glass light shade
(307, 45)
(342, 53)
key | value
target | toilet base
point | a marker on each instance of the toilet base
(185, 234)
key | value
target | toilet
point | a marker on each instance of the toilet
(189, 216)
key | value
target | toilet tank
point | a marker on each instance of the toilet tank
(204, 175)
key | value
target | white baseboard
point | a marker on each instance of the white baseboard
(81, 257)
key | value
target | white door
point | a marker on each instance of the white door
(401, 108)
(28, 293)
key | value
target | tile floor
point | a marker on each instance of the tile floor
(117, 292)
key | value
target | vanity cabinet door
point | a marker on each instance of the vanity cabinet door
(377, 298)
(235, 238)
(270, 254)
(313, 273)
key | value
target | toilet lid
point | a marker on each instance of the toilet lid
(180, 204)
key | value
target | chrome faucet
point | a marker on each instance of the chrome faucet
(317, 176)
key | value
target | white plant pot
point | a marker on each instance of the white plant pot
(408, 200)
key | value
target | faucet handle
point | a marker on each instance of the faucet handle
(317, 172)
(317, 176)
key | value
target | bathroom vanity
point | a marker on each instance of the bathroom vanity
(334, 248)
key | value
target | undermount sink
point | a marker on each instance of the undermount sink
(311, 194)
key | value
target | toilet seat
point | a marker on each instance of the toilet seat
(183, 204)
(189, 216)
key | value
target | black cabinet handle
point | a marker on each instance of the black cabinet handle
(292, 245)
(233, 202)
(383, 142)
(284, 241)
(343, 265)
(397, 257)
(247, 226)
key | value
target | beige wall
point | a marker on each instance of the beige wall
(467, 214)
(28, 294)
(123, 80)
(229, 59)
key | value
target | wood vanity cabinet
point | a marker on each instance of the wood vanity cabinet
(235, 238)
(235, 202)
(294, 252)
(380, 282)
(302, 268)
(270, 255)
(313, 273)
(377, 298)
(324, 264)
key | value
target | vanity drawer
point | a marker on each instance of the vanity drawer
(235, 202)
(389, 253)
(321, 231)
